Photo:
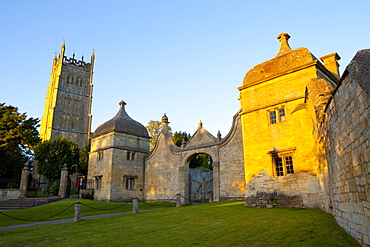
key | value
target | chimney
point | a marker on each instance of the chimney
(331, 63)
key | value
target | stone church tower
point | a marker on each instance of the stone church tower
(68, 102)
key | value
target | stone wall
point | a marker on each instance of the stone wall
(232, 175)
(7, 194)
(167, 167)
(348, 149)
(163, 173)
(303, 184)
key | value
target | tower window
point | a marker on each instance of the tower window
(277, 115)
(100, 155)
(130, 155)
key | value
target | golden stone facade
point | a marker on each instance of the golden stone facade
(302, 135)
(67, 111)
(277, 125)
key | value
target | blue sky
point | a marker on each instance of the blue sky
(183, 58)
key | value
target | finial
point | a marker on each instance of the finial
(65, 40)
(65, 167)
(74, 54)
(93, 53)
(165, 118)
(284, 45)
(122, 103)
(82, 59)
(200, 124)
(219, 134)
(183, 143)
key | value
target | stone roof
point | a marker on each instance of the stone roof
(286, 60)
(122, 123)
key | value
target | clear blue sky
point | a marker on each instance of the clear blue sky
(183, 58)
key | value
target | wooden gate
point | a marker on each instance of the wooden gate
(201, 187)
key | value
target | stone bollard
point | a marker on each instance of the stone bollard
(178, 201)
(210, 197)
(77, 217)
(135, 205)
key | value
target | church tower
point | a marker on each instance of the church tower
(67, 111)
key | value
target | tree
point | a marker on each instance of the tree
(178, 137)
(154, 128)
(18, 135)
(201, 160)
(83, 165)
(52, 155)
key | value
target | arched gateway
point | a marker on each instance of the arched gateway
(121, 166)
(167, 169)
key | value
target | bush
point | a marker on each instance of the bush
(73, 191)
(54, 189)
(89, 196)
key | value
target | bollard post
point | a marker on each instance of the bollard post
(135, 205)
(178, 201)
(77, 217)
(210, 197)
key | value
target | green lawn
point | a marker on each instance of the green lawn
(46, 211)
(211, 224)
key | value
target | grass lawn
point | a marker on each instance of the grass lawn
(45, 211)
(211, 224)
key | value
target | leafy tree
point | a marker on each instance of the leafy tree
(179, 136)
(201, 160)
(18, 135)
(84, 159)
(154, 128)
(52, 155)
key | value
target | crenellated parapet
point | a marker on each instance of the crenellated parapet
(73, 61)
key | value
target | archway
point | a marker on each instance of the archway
(200, 177)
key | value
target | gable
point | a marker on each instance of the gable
(201, 136)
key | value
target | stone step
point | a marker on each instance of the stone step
(26, 203)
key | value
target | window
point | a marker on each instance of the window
(277, 115)
(100, 155)
(130, 155)
(98, 182)
(129, 181)
(283, 165)
(272, 117)
(281, 115)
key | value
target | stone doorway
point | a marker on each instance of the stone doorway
(200, 178)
